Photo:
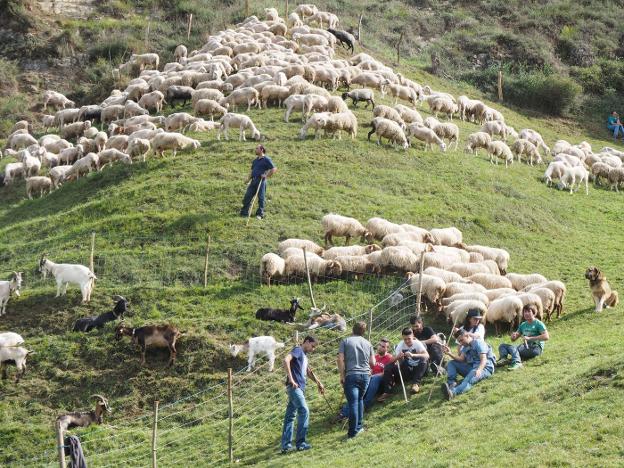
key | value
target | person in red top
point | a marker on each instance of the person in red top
(382, 358)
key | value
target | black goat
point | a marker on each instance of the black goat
(346, 39)
(84, 418)
(280, 315)
(179, 93)
(87, 324)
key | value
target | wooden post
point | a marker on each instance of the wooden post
(246, 8)
(296, 338)
(370, 323)
(420, 275)
(91, 266)
(154, 433)
(230, 417)
(305, 261)
(286, 10)
(60, 443)
(206, 263)
(500, 85)
(398, 48)
(190, 25)
(360, 28)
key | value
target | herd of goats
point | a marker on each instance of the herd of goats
(290, 62)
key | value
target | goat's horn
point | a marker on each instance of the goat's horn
(100, 397)
(117, 297)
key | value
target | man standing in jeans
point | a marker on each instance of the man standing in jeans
(296, 365)
(261, 168)
(356, 356)
(533, 332)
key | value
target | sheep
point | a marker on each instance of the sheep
(180, 52)
(477, 140)
(446, 276)
(13, 171)
(295, 266)
(273, 93)
(86, 324)
(153, 100)
(576, 174)
(347, 40)
(56, 99)
(47, 121)
(343, 226)
(600, 169)
(71, 155)
(444, 105)
(240, 121)
(246, 95)
(172, 141)
(321, 17)
(255, 346)
(300, 244)
(68, 273)
(388, 129)
(57, 146)
(57, 175)
(357, 95)
(271, 266)
(7, 289)
(38, 184)
(371, 80)
(405, 93)
(499, 150)
(179, 93)
(306, 9)
(425, 135)
(144, 60)
(32, 165)
(557, 287)
(118, 142)
(615, 178)
(294, 21)
(280, 315)
(490, 281)
(466, 106)
(520, 281)
(555, 170)
(336, 105)
(433, 288)
(460, 288)
(357, 265)
(477, 296)
(132, 109)
(20, 141)
(317, 121)
(500, 256)
(351, 250)
(342, 121)
(400, 258)
(84, 166)
(388, 113)
(295, 102)
(525, 147)
(159, 336)
(548, 300)
(113, 112)
(209, 107)
(457, 311)
(409, 233)
(493, 294)
(568, 159)
(408, 115)
(468, 269)
(178, 121)
(379, 228)
(505, 309)
(139, 147)
(535, 138)
(560, 146)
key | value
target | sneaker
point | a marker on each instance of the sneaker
(415, 388)
(259, 217)
(304, 446)
(515, 366)
(447, 391)
(243, 215)
(288, 448)
(501, 362)
(383, 397)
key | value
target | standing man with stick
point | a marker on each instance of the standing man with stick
(261, 168)
(356, 356)
(296, 365)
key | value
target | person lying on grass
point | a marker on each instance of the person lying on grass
(474, 362)
(533, 332)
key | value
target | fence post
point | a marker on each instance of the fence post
(190, 25)
(420, 275)
(305, 261)
(500, 85)
(206, 263)
(370, 323)
(296, 337)
(154, 429)
(60, 443)
(91, 266)
(230, 417)
(246, 8)
(360, 28)
(398, 48)
(286, 11)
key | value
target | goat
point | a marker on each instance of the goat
(319, 318)
(159, 336)
(7, 288)
(84, 418)
(255, 346)
(15, 355)
(86, 324)
(69, 273)
(280, 315)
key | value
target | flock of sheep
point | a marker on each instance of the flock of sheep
(456, 277)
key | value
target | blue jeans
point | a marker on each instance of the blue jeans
(296, 404)
(354, 388)
(616, 129)
(374, 384)
(518, 352)
(468, 372)
(250, 193)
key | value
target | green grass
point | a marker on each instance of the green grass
(152, 221)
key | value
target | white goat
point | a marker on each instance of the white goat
(69, 273)
(258, 345)
(9, 287)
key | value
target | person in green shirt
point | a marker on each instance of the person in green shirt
(533, 332)
(614, 124)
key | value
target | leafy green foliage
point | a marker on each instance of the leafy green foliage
(551, 94)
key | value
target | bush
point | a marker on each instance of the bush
(551, 94)
(112, 49)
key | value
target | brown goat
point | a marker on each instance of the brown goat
(159, 336)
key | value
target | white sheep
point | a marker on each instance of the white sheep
(520, 281)
(271, 266)
(180, 52)
(38, 184)
(476, 296)
(19, 141)
(555, 170)
(162, 142)
(433, 288)
(274, 93)
(557, 287)
(32, 165)
(388, 129)
(357, 95)
(240, 121)
(426, 135)
(339, 122)
(548, 299)
(522, 147)
(499, 150)
(84, 166)
(209, 107)
(153, 100)
(408, 115)
(57, 175)
(388, 113)
(500, 256)
(357, 265)
(309, 245)
(336, 105)
(71, 155)
(139, 147)
(575, 175)
(317, 121)
(447, 236)
(350, 250)
(506, 309)
(478, 140)
(493, 294)
(7, 289)
(246, 95)
(66, 274)
(457, 311)
(462, 288)
(111, 155)
(490, 281)
(380, 228)
(560, 146)
(535, 138)
(445, 275)
(144, 60)
(343, 226)
(56, 99)
(405, 93)
(57, 146)
(444, 105)
(318, 267)
(132, 109)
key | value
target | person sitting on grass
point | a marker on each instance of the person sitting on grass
(614, 124)
(428, 337)
(413, 358)
(382, 358)
(533, 332)
(472, 325)
(474, 362)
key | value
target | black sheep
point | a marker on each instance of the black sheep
(87, 324)
(179, 93)
(346, 40)
(280, 315)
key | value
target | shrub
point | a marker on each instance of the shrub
(551, 94)
(109, 49)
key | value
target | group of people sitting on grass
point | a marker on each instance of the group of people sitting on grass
(367, 376)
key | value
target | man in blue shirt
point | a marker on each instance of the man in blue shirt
(474, 362)
(261, 168)
(296, 365)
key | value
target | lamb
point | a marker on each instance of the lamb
(357, 95)
(47, 121)
(111, 155)
(271, 266)
(159, 336)
(433, 288)
(295, 102)
(300, 244)
(172, 141)
(426, 135)
(577, 174)
(525, 147)
(178, 121)
(255, 346)
(520, 281)
(7, 289)
(490, 281)
(343, 226)
(388, 129)
(13, 171)
(317, 121)
(280, 315)
(380, 228)
(56, 99)
(535, 138)
(240, 121)
(499, 150)
(38, 184)
(505, 309)
(153, 100)
(408, 115)
(351, 250)
(295, 266)
(13, 355)
(500, 256)
(32, 165)
(294, 21)
(68, 273)
(86, 324)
